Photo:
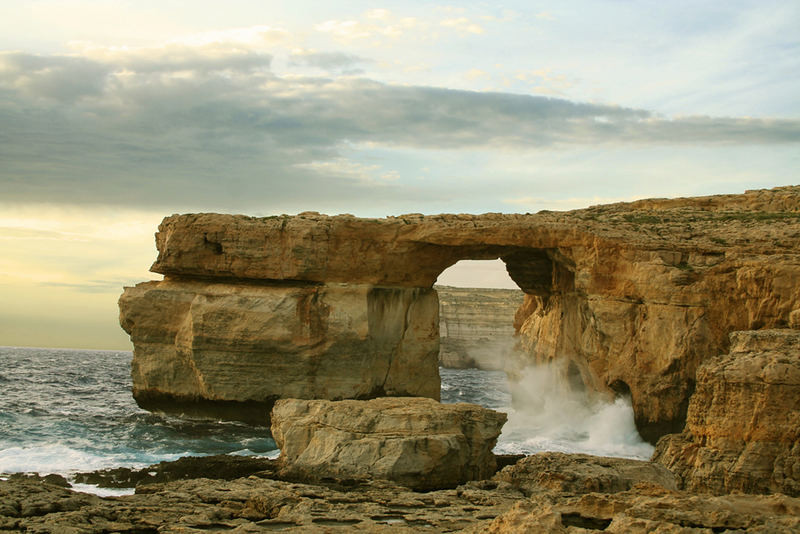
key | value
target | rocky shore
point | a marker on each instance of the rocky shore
(327, 328)
(549, 492)
(415, 465)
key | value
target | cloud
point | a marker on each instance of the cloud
(462, 24)
(213, 125)
(328, 61)
(379, 23)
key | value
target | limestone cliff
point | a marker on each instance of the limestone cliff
(225, 349)
(476, 326)
(743, 427)
(635, 296)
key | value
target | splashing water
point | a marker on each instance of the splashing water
(546, 414)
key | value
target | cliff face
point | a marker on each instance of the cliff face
(476, 326)
(743, 426)
(224, 349)
(634, 295)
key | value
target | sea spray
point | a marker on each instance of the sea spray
(547, 413)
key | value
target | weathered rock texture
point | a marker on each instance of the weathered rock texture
(634, 295)
(417, 442)
(263, 502)
(646, 509)
(582, 473)
(209, 347)
(247, 505)
(743, 427)
(476, 326)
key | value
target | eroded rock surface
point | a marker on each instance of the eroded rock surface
(476, 326)
(417, 442)
(252, 504)
(207, 347)
(262, 502)
(645, 509)
(582, 473)
(635, 295)
(743, 427)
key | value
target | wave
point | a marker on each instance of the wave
(550, 415)
(58, 458)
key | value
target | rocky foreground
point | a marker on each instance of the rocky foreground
(415, 465)
(549, 492)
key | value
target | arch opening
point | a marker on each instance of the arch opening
(550, 406)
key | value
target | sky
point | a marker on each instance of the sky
(114, 114)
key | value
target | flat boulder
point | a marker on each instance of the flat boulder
(414, 441)
(582, 473)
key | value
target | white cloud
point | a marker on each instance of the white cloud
(378, 24)
(252, 36)
(462, 24)
(476, 74)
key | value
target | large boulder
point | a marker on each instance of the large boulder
(743, 428)
(417, 442)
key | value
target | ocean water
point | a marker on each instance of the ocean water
(63, 411)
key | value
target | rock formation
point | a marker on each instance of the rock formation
(476, 326)
(582, 473)
(646, 509)
(525, 499)
(417, 442)
(230, 349)
(635, 296)
(743, 427)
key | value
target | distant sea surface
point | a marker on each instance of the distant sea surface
(63, 411)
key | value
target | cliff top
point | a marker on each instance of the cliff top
(413, 249)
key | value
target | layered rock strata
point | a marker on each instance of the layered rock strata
(634, 296)
(743, 427)
(228, 349)
(416, 442)
(476, 326)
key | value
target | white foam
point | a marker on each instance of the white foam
(56, 458)
(550, 416)
(102, 492)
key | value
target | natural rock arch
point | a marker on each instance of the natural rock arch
(312, 306)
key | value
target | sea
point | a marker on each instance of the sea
(66, 411)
